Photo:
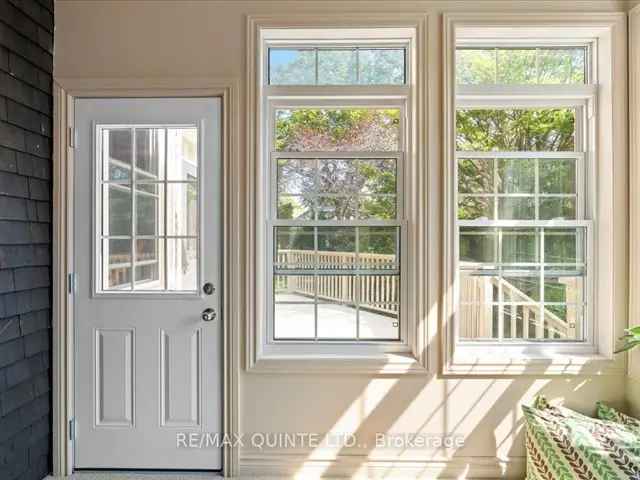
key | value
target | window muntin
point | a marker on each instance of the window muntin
(336, 188)
(521, 196)
(520, 65)
(337, 283)
(342, 65)
(522, 283)
(515, 186)
(147, 241)
(336, 252)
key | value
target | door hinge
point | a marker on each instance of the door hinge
(73, 137)
(72, 429)
(72, 283)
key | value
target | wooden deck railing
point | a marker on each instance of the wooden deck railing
(524, 321)
(378, 292)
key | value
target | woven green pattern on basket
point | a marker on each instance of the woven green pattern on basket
(563, 444)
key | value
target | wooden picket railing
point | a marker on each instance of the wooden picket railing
(377, 292)
(524, 321)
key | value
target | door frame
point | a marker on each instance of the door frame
(65, 92)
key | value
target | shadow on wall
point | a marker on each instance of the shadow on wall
(425, 426)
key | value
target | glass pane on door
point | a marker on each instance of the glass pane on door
(148, 239)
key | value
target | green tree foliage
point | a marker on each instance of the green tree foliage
(348, 129)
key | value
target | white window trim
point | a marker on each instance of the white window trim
(351, 358)
(608, 34)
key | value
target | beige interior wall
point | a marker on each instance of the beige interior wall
(207, 38)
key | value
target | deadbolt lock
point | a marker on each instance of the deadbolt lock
(208, 315)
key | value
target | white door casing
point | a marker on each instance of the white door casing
(148, 368)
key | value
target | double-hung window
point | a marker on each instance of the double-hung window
(335, 141)
(523, 137)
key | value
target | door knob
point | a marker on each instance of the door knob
(208, 314)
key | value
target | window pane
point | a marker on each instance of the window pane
(553, 65)
(477, 245)
(333, 130)
(337, 208)
(117, 151)
(516, 175)
(377, 176)
(475, 66)
(149, 209)
(182, 264)
(149, 264)
(294, 320)
(565, 246)
(377, 207)
(182, 153)
(295, 248)
(475, 175)
(150, 153)
(557, 208)
(338, 176)
(381, 66)
(337, 316)
(294, 288)
(296, 176)
(563, 287)
(520, 287)
(379, 322)
(378, 248)
(336, 248)
(520, 245)
(557, 175)
(336, 67)
(116, 204)
(476, 208)
(182, 209)
(516, 208)
(116, 257)
(513, 130)
(296, 207)
(516, 66)
(562, 65)
(292, 67)
(381, 293)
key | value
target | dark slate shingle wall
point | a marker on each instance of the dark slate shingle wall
(26, 64)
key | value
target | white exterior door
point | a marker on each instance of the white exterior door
(147, 245)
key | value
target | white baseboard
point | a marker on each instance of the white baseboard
(282, 465)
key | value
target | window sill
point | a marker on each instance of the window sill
(382, 363)
(466, 364)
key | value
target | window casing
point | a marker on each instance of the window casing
(348, 296)
(523, 226)
(604, 198)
